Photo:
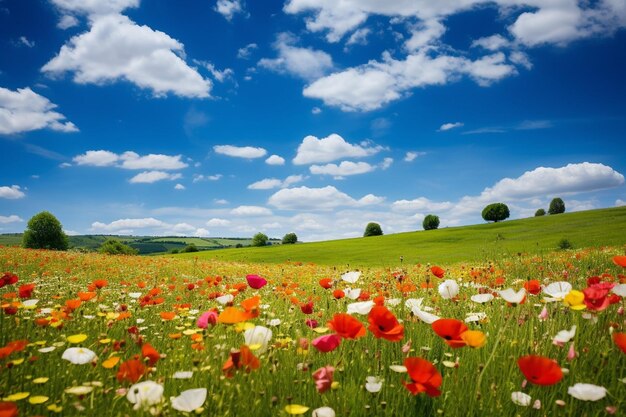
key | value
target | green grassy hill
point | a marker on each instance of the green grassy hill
(604, 227)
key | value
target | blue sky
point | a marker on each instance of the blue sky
(230, 117)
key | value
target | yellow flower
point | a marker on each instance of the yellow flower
(41, 380)
(296, 409)
(77, 338)
(55, 408)
(38, 399)
(17, 396)
(575, 300)
(474, 338)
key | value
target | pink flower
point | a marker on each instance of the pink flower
(312, 323)
(255, 281)
(543, 316)
(323, 378)
(571, 353)
(210, 317)
(327, 343)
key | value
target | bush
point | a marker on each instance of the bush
(44, 231)
(557, 206)
(565, 244)
(115, 247)
(259, 239)
(430, 222)
(190, 248)
(290, 238)
(540, 212)
(496, 212)
(372, 229)
(174, 251)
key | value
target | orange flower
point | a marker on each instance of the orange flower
(8, 409)
(131, 371)
(437, 271)
(620, 261)
(243, 358)
(100, 283)
(347, 326)
(167, 315)
(620, 341)
(540, 370)
(326, 283)
(424, 377)
(147, 351)
(384, 324)
(451, 330)
(86, 296)
(251, 305)
(232, 315)
(72, 305)
(111, 362)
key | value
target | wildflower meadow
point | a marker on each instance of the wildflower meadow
(95, 335)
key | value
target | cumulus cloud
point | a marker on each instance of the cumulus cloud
(275, 160)
(229, 8)
(23, 110)
(619, 202)
(246, 51)
(248, 152)
(13, 218)
(201, 177)
(345, 168)
(116, 48)
(311, 199)
(179, 187)
(149, 177)
(95, 7)
(305, 63)
(201, 232)
(386, 164)
(491, 43)
(449, 126)
(127, 224)
(67, 21)
(410, 156)
(217, 222)
(313, 150)
(148, 225)
(130, 160)
(252, 211)
(269, 183)
(13, 192)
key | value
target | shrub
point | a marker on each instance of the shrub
(372, 229)
(174, 251)
(190, 248)
(496, 212)
(115, 247)
(540, 212)
(430, 222)
(290, 238)
(565, 244)
(44, 231)
(557, 206)
(260, 239)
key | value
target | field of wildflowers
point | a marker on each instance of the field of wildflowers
(88, 334)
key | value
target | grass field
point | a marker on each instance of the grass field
(469, 243)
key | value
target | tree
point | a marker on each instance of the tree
(44, 231)
(259, 239)
(115, 247)
(540, 212)
(190, 248)
(372, 229)
(496, 212)
(430, 222)
(557, 206)
(290, 238)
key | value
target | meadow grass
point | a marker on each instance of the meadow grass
(535, 235)
(285, 373)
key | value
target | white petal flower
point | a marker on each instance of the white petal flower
(258, 336)
(28, 304)
(145, 394)
(557, 290)
(351, 277)
(189, 400)
(79, 355)
(352, 294)
(428, 318)
(412, 303)
(620, 289)
(393, 301)
(449, 289)
(225, 299)
(481, 298)
(363, 307)
(510, 296)
(474, 317)
(587, 392)
(134, 294)
(373, 383)
(323, 412)
(564, 336)
(182, 375)
(398, 368)
(520, 398)
(274, 322)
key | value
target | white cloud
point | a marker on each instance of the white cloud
(216, 222)
(410, 156)
(253, 211)
(619, 202)
(345, 168)
(130, 160)
(10, 219)
(246, 51)
(149, 226)
(67, 21)
(219, 75)
(127, 224)
(24, 110)
(386, 164)
(13, 192)
(316, 110)
(491, 43)
(359, 37)
(248, 152)
(449, 126)
(424, 34)
(326, 198)
(333, 147)
(200, 177)
(229, 8)
(149, 177)
(99, 158)
(305, 63)
(179, 187)
(26, 42)
(269, 183)
(275, 160)
(420, 204)
(116, 48)
(201, 232)
(95, 7)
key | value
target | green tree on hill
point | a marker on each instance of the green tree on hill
(290, 238)
(540, 212)
(115, 247)
(430, 222)
(44, 231)
(373, 229)
(496, 212)
(260, 239)
(557, 206)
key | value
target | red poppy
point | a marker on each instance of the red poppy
(131, 370)
(323, 378)
(8, 409)
(384, 324)
(620, 261)
(437, 271)
(450, 330)
(26, 290)
(424, 377)
(326, 283)
(540, 370)
(347, 326)
(148, 351)
(533, 286)
(327, 342)
(307, 308)
(8, 279)
(620, 341)
(596, 297)
(339, 294)
(242, 358)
